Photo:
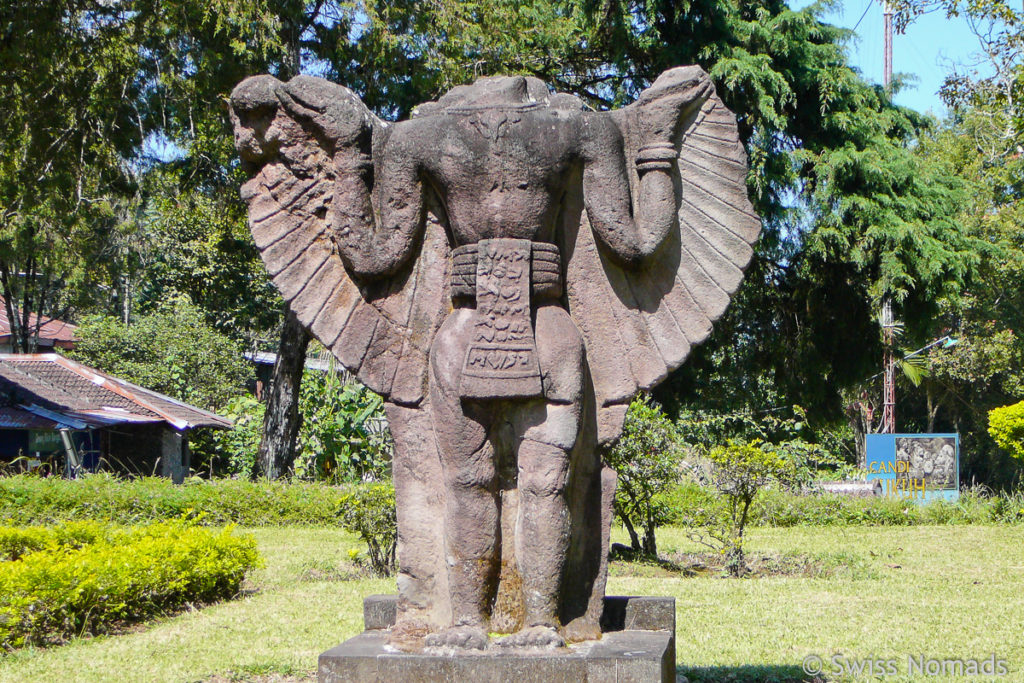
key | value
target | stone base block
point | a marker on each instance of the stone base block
(637, 647)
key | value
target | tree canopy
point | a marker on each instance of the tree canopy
(118, 178)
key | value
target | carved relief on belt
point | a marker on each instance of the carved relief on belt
(545, 271)
(501, 356)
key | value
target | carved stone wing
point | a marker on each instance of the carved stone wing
(380, 331)
(640, 325)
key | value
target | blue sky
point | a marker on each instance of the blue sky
(927, 50)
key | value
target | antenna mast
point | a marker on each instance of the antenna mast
(887, 61)
(888, 423)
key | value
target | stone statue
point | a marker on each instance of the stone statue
(507, 268)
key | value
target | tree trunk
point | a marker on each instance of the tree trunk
(281, 422)
(634, 539)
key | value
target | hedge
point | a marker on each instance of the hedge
(26, 499)
(780, 508)
(88, 577)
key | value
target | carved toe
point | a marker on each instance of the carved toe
(542, 637)
(462, 637)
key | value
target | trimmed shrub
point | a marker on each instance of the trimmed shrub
(364, 509)
(778, 507)
(87, 577)
(1006, 427)
(25, 499)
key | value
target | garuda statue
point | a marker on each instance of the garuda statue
(507, 268)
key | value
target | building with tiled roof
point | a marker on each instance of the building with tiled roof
(56, 409)
(52, 333)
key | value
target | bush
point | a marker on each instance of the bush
(369, 511)
(87, 577)
(171, 350)
(740, 471)
(779, 507)
(647, 459)
(25, 499)
(1006, 426)
(343, 436)
(231, 451)
(364, 509)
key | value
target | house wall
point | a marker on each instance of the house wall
(148, 450)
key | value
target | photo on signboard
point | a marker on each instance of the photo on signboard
(928, 458)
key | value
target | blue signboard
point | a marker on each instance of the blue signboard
(920, 467)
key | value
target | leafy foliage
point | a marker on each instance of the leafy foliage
(172, 351)
(740, 471)
(646, 458)
(745, 454)
(369, 511)
(344, 435)
(86, 577)
(196, 246)
(231, 451)
(783, 507)
(1006, 425)
(26, 499)
(788, 430)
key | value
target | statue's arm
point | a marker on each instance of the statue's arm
(629, 236)
(632, 235)
(376, 213)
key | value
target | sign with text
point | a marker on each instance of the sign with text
(917, 466)
(40, 441)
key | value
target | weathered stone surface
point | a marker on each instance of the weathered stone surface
(619, 657)
(619, 613)
(507, 268)
(379, 611)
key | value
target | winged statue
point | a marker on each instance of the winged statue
(507, 268)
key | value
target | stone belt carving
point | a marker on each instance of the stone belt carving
(545, 272)
(501, 360)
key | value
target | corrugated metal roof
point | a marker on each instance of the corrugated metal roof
(80, 392)
(312, 362)
(15, 418)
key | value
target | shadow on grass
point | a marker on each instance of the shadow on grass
(746, 674)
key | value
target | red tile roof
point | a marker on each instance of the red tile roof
(69, 388)
(51, 332)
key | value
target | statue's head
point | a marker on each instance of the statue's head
(268, 118)
(254, 109)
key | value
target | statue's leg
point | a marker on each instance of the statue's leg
(471, 506)
(548, 430)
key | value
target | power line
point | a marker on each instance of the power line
(863, 15)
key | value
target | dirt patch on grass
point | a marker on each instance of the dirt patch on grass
(713, 565)
(263, 674)
(328, 571)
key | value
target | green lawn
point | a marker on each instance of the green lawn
(941, 592)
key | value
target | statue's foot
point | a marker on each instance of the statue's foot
(544, 637)
(464, 637)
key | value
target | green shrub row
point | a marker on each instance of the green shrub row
(87, 577)
(781, 508)
(26, 499)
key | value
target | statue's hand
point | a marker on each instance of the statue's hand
(334, 112)
(664, 106)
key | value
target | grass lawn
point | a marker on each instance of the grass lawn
(940, 592)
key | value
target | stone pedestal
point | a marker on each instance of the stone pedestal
(638, 646)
